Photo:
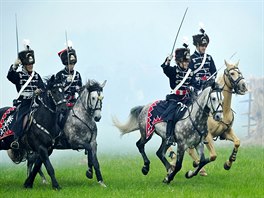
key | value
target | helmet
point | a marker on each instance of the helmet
(182, 54)
(68, 55)
(27, 57)
(201, 39)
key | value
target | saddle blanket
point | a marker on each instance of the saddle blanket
(155, 112)
(6, 122)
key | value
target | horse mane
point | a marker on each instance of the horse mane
(91, 85)
(220, 80)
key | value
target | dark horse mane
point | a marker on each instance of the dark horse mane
(91, 85)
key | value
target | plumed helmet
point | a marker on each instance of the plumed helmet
(182, 54)
(201, 39)
(68, 55)
(27, 56)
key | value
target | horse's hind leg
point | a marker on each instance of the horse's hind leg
(232, 137)
(141, 148)
(161, 155)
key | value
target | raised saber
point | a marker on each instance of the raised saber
(67, 47)
(17, 36)
(221, 67)
(178, 31)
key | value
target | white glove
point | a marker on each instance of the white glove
(37, 92)
(168, 59)
(16, 64)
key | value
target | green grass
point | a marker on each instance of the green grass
(123, 177)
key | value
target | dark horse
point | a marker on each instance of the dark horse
(80, 131)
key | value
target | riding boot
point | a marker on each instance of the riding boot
(169, 133)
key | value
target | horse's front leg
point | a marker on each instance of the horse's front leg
(178, 165)
(44, 156)
(202, 161)
(32, 174)
(92, 150)
(232, 137)
(89, 172)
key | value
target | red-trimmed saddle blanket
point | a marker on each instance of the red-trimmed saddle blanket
(6, 122)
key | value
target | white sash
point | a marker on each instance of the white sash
(74, 74)
(181, 83)
(199, 68)
(26, 84)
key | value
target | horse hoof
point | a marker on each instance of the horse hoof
(203, 172)
(226, 167)
(195, 164)
(188, 174)
(102, 184)
(57, 188)
(89, 174)
(29, 186)
(166, 180)
(145, 170)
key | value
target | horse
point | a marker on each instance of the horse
(48, 103)
(80, 131)
(194, 119)
(232, 82)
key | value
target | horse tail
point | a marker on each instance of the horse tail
(132, 123)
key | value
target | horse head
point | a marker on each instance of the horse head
(234, 79)
(94, 98)
(55, 92)
(215, 101)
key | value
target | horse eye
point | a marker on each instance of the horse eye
(232, 73)
(214, 99)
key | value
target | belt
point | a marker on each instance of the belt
(181, 92)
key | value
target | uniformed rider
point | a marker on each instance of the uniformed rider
(182, 83)
(28, 82)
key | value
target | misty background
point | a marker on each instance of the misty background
(125, 42)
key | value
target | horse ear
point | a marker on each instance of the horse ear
(103, 84)
(237, 63)
(226, 63)
(52, 79)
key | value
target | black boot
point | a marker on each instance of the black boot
(169, 133)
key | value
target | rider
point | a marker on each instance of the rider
(201, 63)
(182, 82)
(28, 82)
(70, 78)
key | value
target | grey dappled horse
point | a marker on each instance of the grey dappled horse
(189, 131)
(80, 128)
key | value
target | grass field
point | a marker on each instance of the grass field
(123, 177)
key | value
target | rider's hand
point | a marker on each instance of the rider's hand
(37, 92)
(168, 59)
(16, 64)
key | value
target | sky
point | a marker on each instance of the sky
(125, 42)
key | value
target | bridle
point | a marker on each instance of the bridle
(234, 83)
(55, 102)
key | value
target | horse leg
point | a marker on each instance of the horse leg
(161, 152)
(141, 148)
(192, 153)
(89, 172)
(32, 174)
(178, 165)
(95, 163)
(43, 153)
(202, 162)
(232, 137)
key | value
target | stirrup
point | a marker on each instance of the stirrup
(14, 145)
